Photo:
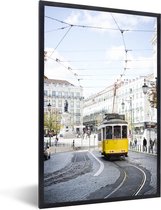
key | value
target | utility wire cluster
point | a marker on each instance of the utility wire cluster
(93, 27)
(125, 47)
(70, 26)
(66, 67)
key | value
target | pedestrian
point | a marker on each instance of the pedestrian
(135, 142)
(73, 145)
(151, 145)
(155, 145)
(144, 145)
(56, 141)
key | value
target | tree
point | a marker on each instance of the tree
(52, 121)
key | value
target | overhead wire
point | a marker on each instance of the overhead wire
(97, 27)
(97, 50)
(125, 61)
(61, 40)
(124, 44)
(57, 29)
(105, 60)
(66, 67)
(69, 26)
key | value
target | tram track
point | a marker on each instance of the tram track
(132, 182)
(80, 164)
(142, 182)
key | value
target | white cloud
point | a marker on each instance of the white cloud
(91, 18)
(73, 18)
(115, 53)
(105, 20)
(135, 65)
(56, 68)
(131, 21)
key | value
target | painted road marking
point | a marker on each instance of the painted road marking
(101, 165)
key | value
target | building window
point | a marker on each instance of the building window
(78, 112)
(72, 103)
(60, 103)
(78, 104)
(45, 92)
(77, 94)
(65, 94)
(60, 94)
(45, 103)
(53, 103)
(72, 95)
(53, 93)
(77, 120)
(72, 111)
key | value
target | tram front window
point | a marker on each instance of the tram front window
(124, 131)
(109, 132)
(117, 132)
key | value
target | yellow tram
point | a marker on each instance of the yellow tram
(113, 136)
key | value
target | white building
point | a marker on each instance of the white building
(61, 92)
(125, 97)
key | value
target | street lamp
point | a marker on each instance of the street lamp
(145, 87)
(49, 109)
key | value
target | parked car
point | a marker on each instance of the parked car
(47, 153)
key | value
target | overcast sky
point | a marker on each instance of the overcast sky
(95, 49)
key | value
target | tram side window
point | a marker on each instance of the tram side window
(103, 133)
(109, 132)
(117, 132)
(124, 131)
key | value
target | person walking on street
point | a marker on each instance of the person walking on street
(56, 141)
(151, 145)
(155, 145)
(135, 142)
(144, 145)
(73, 145)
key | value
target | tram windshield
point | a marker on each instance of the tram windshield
(117, 132)
(109, 132)
(124, 131)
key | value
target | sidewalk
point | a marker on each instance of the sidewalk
(60, 148)
(73, 144)
(139, 149)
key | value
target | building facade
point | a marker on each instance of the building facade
(67, 101)
(126, 97)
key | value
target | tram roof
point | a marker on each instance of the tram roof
(112, 122)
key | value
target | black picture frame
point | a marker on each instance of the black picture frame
(92, 196)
